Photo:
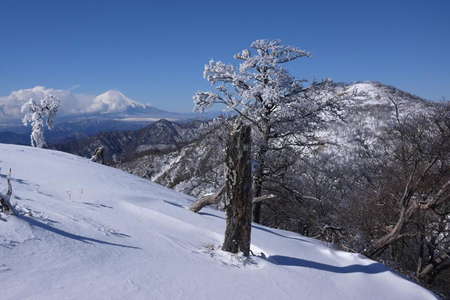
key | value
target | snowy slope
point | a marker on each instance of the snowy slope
(88, 231)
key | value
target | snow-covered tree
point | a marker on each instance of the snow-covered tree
(99, 155)
(282, 110)
(38, 114)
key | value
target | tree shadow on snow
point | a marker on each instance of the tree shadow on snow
(258, 227)
(373, 268)
(21, 181)
(211, 215)
(278, 234)
(69, 235)
(173, 203)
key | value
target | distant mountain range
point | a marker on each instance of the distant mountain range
(162, 135)
(112, 117)
(81, 116)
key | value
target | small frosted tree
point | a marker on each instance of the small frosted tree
(38, 114)
(5, 199)
(99, 155)
(281, 110)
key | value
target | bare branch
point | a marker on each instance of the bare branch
(207, 200)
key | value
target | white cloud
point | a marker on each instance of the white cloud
(71, 103)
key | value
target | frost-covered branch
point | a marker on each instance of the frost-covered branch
(266, 96)
(257, 84)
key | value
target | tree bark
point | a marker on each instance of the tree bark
(238, 188)
(259, 174)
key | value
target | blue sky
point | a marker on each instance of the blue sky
(154, 51)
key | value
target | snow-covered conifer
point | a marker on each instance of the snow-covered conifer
(38, 114)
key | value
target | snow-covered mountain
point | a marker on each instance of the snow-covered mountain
(366, 114)
(87, 231)
(113, 101)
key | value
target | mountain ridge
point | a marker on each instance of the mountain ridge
(365, 116)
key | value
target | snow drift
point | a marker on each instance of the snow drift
(87, 231)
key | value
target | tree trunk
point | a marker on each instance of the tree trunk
(259, 174)
(238, 188)
(258, 192)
